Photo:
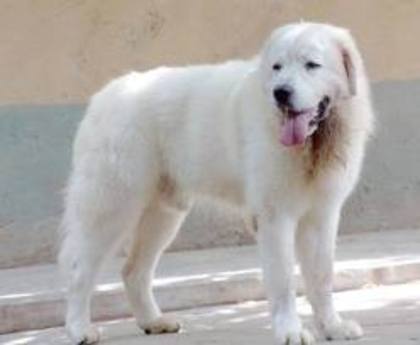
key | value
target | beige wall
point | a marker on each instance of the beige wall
(60, 51)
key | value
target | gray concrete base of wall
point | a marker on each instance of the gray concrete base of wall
(35, 149)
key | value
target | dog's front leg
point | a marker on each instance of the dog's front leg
(316, 239)
(276, 244)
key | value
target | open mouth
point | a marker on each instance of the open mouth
(322, 111)
(297, 125)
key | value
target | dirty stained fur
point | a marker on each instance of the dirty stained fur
(326, 147)
(280, 138)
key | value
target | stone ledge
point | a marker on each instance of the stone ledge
(32, 297)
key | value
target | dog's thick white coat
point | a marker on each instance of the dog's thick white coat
(153, 142)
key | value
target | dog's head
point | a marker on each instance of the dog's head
(306, 69)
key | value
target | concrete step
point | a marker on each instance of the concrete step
(390, 315)
(32, 297)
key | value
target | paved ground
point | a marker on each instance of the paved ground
(389, 314)
(32, 297)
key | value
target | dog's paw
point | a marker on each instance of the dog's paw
(302, 337)
(289, 331)
(88, 336)
(163, 324)
(341, 330)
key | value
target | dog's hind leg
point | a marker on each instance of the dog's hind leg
(157, 228)
(99, 213)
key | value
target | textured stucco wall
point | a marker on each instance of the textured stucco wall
(63, 50)
(55, 53)
(35, 155)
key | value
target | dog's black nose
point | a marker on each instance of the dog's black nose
(282, 95)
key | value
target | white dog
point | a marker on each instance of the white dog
(281, 136)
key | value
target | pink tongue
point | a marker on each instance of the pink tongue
(295, 130)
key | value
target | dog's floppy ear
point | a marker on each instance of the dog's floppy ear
(350, 69)
(350, 58)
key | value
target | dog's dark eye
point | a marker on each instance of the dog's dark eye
(277, 67)
(312, 65)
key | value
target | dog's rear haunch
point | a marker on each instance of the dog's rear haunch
(281, 136)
